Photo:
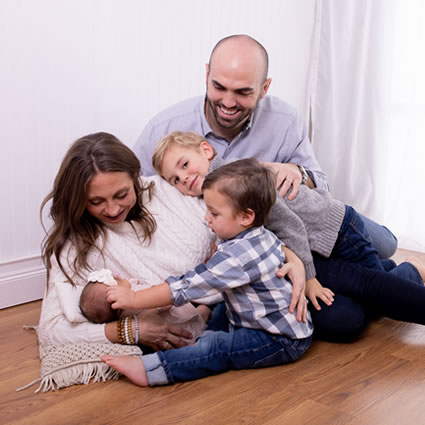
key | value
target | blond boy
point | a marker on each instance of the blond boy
(313, 221)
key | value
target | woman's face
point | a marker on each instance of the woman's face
(111, 196)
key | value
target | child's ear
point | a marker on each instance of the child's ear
(247, 217)
(207, 149)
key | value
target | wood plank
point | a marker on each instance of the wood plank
(378, 379)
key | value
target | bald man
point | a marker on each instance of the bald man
(237, 84)
(239, 119)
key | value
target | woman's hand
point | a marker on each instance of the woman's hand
(294, 269)
(314, 290)
(156, 332)
(213, 249)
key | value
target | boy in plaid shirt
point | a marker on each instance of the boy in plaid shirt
(260, 330)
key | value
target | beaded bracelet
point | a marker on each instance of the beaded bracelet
(136, 320)
(129, 334)
(125, 331)
(120, 331)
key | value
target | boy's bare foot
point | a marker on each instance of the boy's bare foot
(130, 366)
(418, 264)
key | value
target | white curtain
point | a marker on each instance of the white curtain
(368, 109)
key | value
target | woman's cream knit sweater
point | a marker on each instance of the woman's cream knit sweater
(181, 241)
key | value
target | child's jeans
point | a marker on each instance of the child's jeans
(354, 244)
(220, 351)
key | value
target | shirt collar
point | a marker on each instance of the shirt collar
(255, 231)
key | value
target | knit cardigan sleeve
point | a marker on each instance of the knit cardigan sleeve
(289, 228)
(54, 326)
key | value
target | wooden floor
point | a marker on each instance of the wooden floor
(379, 379)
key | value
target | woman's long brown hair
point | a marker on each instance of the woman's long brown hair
(88, 156)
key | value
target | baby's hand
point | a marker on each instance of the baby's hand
(121, 297)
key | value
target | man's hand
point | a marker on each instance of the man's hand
(288, 176)
(121, 297)
(314, 290)
(294, 269)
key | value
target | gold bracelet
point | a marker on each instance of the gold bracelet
(120, 331)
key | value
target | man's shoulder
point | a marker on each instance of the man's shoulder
(274, 104)
(186, 109)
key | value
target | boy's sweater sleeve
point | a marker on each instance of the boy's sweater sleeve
(289, 228)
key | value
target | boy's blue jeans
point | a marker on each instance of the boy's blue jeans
(222, 350)
(361, 293)
(382, 238)
(354, 243)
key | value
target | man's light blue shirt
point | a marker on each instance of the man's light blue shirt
(275, 133)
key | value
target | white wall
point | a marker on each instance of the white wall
(73, 67)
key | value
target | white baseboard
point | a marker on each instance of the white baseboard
(21, 280)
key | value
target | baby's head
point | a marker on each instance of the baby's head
(94, 305)
(183, 159)
(238, 196)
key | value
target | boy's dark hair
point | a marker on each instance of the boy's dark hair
(248, 185)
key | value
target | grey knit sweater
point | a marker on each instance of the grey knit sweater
(310, 222)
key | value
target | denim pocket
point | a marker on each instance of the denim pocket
(286, 350)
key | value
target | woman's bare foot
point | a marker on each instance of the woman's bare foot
(420, 267)
(130, 366)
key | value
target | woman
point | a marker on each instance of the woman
(101, 220)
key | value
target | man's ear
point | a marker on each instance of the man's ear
(207, 149)
(247, 217)
(207, 73)
(265, 87)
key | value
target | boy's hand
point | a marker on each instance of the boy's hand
(314, 290)
(121, 297)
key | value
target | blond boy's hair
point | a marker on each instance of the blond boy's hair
(185, 139)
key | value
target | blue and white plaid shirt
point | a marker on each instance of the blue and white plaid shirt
(243, 270)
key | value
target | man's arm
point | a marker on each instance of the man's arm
(294, 269)
(297, 151)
